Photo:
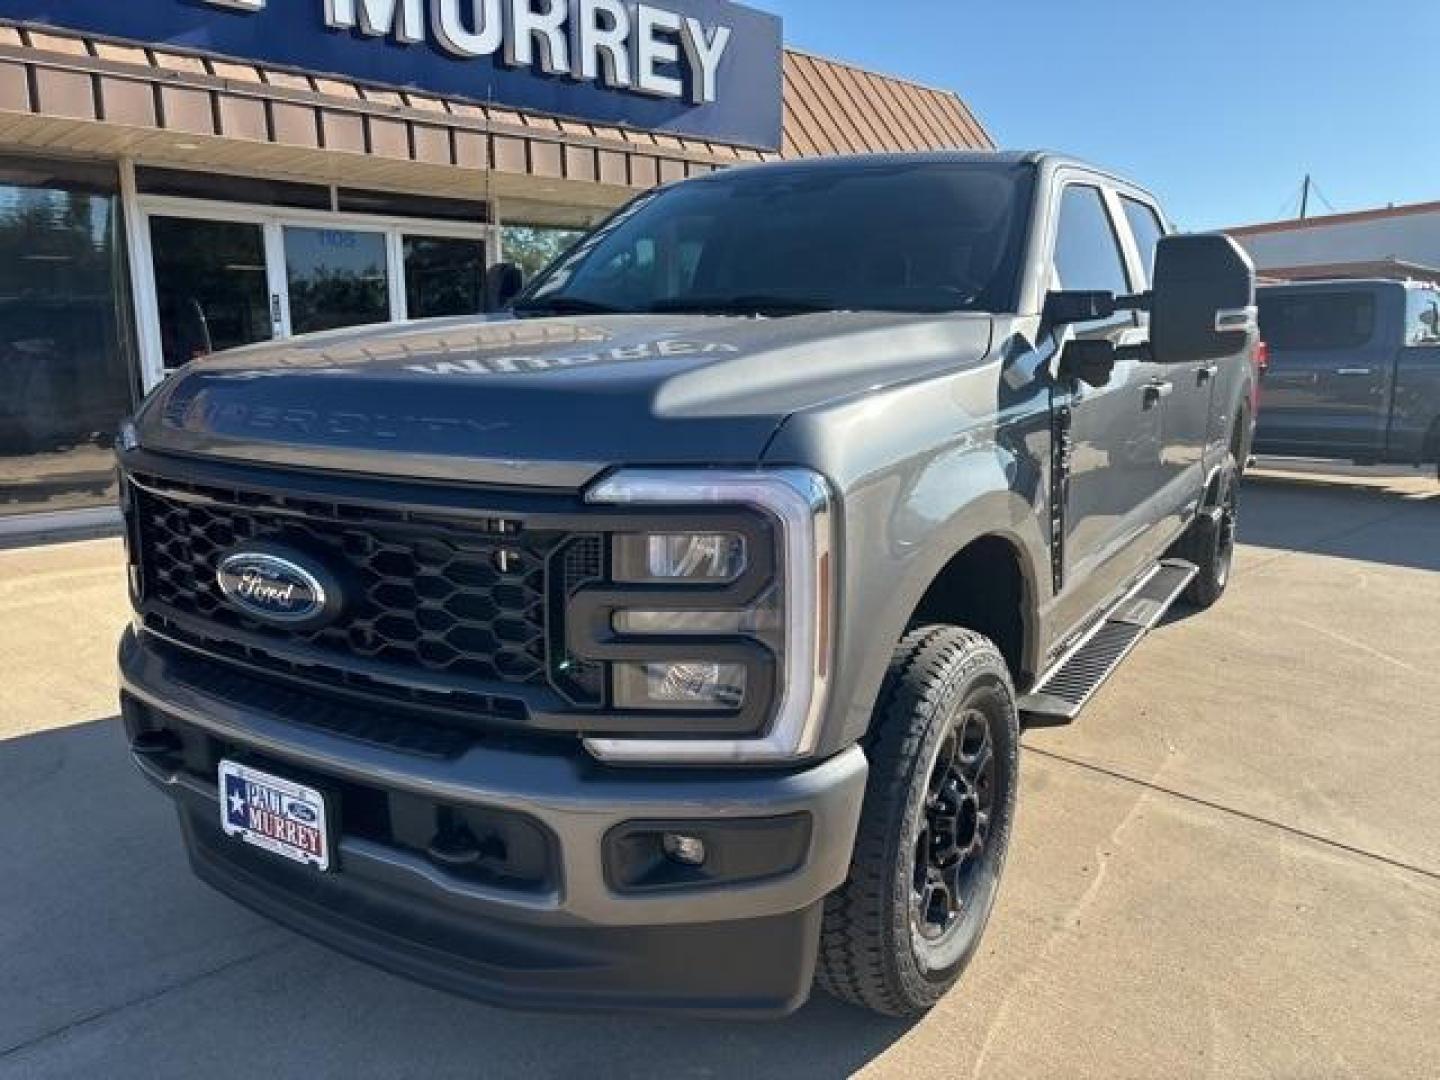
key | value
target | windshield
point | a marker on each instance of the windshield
(883, 236)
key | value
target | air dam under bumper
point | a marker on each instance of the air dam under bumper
(573, 940)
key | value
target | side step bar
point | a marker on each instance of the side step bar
(1065, 689)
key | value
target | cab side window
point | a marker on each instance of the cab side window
(1146, 227)
(1422, 319)
(1087, 251)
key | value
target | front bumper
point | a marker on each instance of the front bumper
(563, 934)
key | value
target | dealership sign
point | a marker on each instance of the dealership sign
(705, 68)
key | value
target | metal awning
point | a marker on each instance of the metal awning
(62, 92)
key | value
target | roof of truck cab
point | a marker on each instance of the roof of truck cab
(924, 157)
(1047, 159)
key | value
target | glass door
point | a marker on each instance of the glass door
(211, 287)
(336, 278)
(443, 276)
(217, 276)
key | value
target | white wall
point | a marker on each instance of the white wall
(1410, 238)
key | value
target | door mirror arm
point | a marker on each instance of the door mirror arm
(1066, 306)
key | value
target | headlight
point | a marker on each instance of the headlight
(791, 617)
(714, 557)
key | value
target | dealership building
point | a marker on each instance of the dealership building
(1397, 242)
(183, 176)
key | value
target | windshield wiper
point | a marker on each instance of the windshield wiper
(756, 304)
(565, 305)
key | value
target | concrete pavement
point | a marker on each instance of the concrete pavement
(1229, 867)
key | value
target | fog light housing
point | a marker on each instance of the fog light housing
(687, 684)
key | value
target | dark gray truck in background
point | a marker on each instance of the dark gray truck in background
(1354, 371)
(665, 642)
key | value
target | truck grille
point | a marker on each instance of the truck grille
(444, 603)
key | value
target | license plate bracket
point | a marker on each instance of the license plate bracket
(275, 814)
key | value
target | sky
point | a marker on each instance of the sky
(1218, 106)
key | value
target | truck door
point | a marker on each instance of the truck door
(1114, 471)
(1332, 357)
(1189, 413)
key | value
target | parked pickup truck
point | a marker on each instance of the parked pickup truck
(1354, 371)
(665, 641)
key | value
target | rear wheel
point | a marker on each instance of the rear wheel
(1210, 541)
(935, 829)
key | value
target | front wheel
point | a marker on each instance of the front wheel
(939, 806)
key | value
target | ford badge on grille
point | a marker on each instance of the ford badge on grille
(278, 586)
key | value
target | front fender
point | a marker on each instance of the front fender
(920, 478)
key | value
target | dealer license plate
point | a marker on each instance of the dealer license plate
(279, 815)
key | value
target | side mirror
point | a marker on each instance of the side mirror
(503, 284)
(1203, 306)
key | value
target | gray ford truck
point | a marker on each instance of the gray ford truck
(664, 641)
(1354, 371)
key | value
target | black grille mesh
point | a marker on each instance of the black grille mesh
(461, 600)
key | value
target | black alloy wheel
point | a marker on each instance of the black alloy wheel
(951, 847)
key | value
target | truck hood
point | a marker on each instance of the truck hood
(544, 402)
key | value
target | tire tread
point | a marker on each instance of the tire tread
(853, 965)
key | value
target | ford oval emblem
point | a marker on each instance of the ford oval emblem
(301, 812)
(276, 587)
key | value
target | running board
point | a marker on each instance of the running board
(1067, 687)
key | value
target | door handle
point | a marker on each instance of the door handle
(1156, 391)
(1355, 371)
(1204, 374)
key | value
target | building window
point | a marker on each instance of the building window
(211, 286)
(534, 247)
(337, 277)
(443, 276)
(65, 378)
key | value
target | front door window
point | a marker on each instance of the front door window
(337, 278)
(210, 286)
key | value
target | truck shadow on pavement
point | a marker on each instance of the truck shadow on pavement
(119, 963)
(1397, 524)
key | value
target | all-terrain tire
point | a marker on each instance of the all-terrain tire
(1209, 543)
(879, 949)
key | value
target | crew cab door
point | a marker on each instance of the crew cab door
(1332, 358)
(1188, 421)
(1114, 463)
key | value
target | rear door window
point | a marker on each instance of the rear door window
(1317, 321)
(1145, 225)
